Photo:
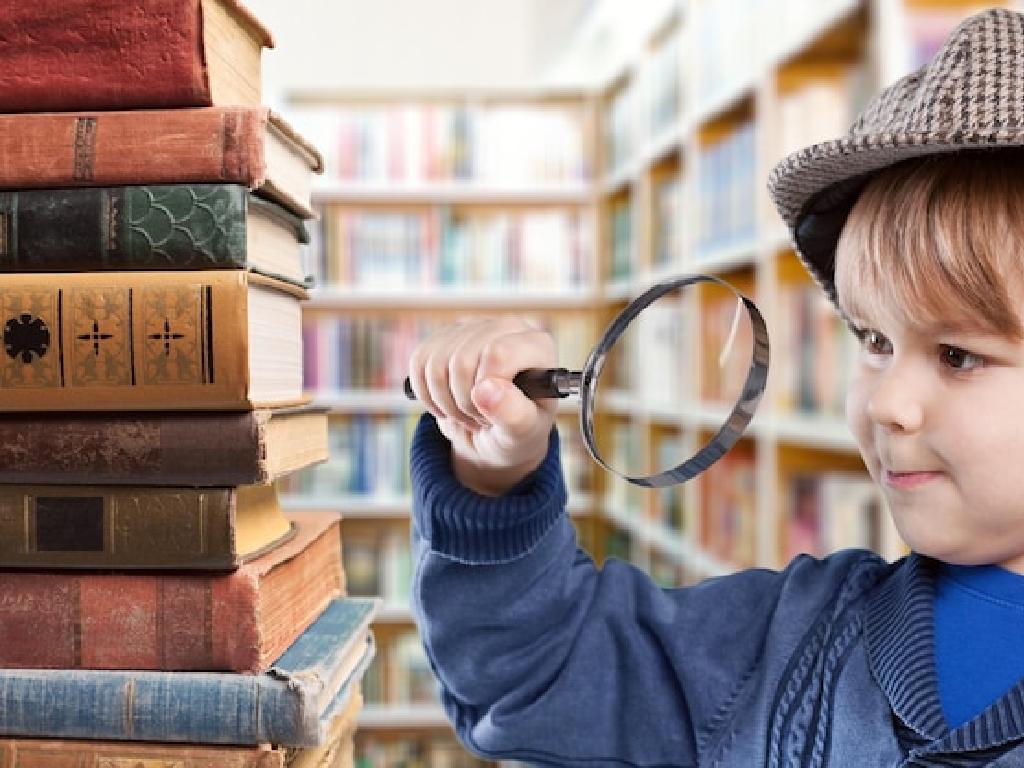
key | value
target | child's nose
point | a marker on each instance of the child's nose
(898, 399)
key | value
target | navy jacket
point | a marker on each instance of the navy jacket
(544, 658)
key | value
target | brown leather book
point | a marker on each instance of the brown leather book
(166, 448)
(231, 145)
(124, 341)
(69, 753)
(142, 527)
(62, 55)
(237, 622)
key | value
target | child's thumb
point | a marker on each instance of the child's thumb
(505, 405)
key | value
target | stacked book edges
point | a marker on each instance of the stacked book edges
(157, 606)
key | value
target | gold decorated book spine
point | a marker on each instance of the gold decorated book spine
(110, 527)
(124, 341)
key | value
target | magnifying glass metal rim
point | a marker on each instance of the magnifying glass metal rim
(730, 432)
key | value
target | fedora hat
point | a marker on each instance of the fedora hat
(970, 96)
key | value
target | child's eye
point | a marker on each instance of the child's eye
(875, 343)
(960, 359)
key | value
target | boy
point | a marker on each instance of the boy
(913, 225)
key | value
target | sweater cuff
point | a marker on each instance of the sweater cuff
(469, 527)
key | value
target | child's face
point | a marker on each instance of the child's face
(949, 403)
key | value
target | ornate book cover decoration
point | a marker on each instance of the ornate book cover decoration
(172, 344)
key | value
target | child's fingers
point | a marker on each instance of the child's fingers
(418, 380)
(465, 362)
(504, 356)
(418, 362)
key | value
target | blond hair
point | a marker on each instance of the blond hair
(941, 239)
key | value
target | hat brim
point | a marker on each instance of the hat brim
(815, 189)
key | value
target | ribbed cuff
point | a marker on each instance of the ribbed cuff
(469, 527)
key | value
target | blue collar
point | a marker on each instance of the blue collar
(900, 640)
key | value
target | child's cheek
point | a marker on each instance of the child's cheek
(859, 422)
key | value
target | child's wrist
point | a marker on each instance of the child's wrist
(493, 481)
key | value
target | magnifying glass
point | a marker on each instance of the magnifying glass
(643, 350)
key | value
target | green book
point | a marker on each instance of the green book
(157, 227)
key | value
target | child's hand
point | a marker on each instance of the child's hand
(463, 375)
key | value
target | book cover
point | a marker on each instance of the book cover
(156, 227)
(293, 704)
(239, 621)
(147, 340)
(62, 55)
(81, 753)
(162, 448)
(138, 527)
(203, 145)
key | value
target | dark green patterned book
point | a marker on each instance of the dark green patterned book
(165, 227)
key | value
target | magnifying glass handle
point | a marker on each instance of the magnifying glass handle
(536, 383)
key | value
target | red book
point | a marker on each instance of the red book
(205, 145)
(66, 55)
(237, 622)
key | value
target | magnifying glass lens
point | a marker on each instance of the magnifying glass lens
(686, 354)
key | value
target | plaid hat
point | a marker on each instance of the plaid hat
(969, 96)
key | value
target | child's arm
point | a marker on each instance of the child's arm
(541, 656)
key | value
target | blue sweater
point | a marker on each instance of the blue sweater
(979, 624)
(544, 658)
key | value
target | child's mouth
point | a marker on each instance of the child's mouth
(907, 480)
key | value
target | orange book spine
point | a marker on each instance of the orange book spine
(79, 149)
(179, 622)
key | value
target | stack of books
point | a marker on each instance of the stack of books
(157, 607)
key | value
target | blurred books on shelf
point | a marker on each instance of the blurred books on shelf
(442, 246)
(816, 353)
(727, 183)
(819, 102)
(378, 563)
(414, 144)
(661, 75)
(829, 511)
(669, 222)
(728, 521)
(621, 238)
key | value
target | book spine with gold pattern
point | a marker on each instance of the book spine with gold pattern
(125, 341)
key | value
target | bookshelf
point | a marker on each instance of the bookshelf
(432, 206)
(657, 170)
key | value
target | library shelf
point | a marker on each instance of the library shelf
(453, 194)
(351, 506)
(384, 717)
(394, 613)
(670, 543)
(449, 298)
